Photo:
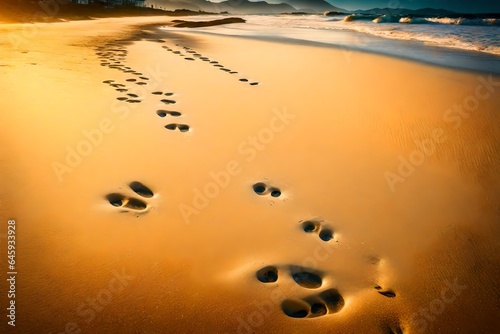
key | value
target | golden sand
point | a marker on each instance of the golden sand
(396, 162)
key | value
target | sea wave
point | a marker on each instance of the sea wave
(465, 21)
(422, 20)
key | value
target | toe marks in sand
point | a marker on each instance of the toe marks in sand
(325, 233)
(175, 126)
(130, 203)
(304, 277)
(263, 189)
(329, 301)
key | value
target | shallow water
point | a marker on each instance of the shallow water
(461, 46)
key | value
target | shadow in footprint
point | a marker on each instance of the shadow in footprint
(295, 308)
(318, 309)
(275, 192)
(168, 101)
(387, 293)
(326, 234)
(306, 278)
(310, 226)
(174, 126)
(141, 189)
(164, 113)
(267, 274)
(119, 200)
(317, 306)
(260, 188)
(333, 299)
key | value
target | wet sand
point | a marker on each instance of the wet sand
(177, 182)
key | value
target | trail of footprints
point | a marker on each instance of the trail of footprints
(328, 301)
(318, 304)
(113, 55)
(190, 54)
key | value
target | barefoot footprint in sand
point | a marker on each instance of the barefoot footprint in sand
(263, 189)
(326, 302)
(175, 126)
(325, 233)
(129, 203)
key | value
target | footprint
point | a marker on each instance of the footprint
(131, 80)
(387, 293)
(163, 113)
(122, 98)
(261, 188)
(131, 203)
(244, 80)
(168, 101)
(181, 127)
(325, 233)
(254, 83)
(119, 200)
(329, 301)
(189, 58)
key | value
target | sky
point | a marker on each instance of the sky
(464, 6)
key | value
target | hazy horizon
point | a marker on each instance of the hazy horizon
(460, 6)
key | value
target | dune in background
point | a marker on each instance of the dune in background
(178, 182)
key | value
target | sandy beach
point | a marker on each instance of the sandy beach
(168, 181)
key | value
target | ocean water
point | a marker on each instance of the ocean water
(471, 44)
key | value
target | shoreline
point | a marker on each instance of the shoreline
(137, 153)
(460, 59)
